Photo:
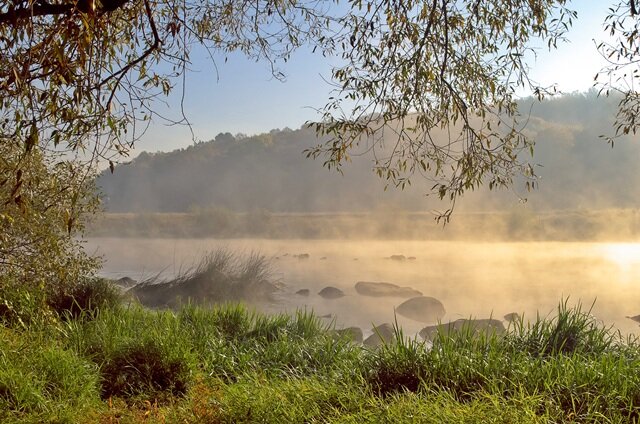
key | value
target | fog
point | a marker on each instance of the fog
(471, 279)
(506, 251)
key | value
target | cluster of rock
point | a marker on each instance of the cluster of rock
(418, 308)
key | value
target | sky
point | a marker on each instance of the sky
(241, 96)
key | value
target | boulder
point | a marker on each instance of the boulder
(473, 326)
(512, 317)
(367, 288)
(351, 333)
(381, 334)
(303, 292)
(397, 257)
(331, 293)
(422, 308)
(125, 282)
(302, 256)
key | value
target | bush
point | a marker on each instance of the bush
(45, 202)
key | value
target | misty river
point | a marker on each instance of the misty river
(472, 279)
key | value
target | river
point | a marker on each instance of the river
(471, 279)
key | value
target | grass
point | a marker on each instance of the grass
(220, 276)
(229, 364)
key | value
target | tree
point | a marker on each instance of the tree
(45, 199)
(622, 53)
(428, 86)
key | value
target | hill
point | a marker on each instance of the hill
(577, 169)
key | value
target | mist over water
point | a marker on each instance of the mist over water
(574, 238)
(471, 279)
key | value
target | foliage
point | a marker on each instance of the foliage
(439, 76)
(435, 78)
(621, 52)
(45, 201)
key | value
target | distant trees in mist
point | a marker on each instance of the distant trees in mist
(577, 169)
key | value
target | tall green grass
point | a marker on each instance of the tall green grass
(580, 369)
(231, 364)
(41, 381)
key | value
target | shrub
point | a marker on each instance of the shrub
(45, 202)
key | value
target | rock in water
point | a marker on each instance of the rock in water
(635, 318)
(125, 282)
(512, 317)
(331, 293)
(373, 289)
(303, 292)
(399, 258)
(422, 308)
(381, 334)
(352, 333)
(473, 326)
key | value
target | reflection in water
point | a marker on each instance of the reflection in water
(471, 279)
(625, 255)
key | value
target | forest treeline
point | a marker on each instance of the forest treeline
(577, 169)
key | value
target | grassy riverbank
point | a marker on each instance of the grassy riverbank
(518, 224)
(128, 364)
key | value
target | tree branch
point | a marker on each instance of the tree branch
(123, 71)
(40, 9)
(47, 9)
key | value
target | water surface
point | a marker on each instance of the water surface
(472, 279)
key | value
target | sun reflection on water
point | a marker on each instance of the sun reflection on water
(625, 255)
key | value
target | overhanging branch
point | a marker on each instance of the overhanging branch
(48, 9)
(40, 9)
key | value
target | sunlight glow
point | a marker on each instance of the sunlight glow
(623, 254)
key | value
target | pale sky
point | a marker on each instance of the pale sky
(242, 97)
